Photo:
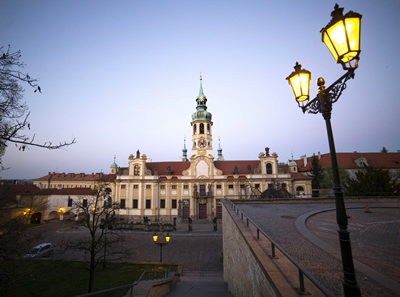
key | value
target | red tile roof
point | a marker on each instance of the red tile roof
(70, 191)
(25, 189)
(347, 160)
(299, 176)
(227, 167)
(81, 177)
(176, 167)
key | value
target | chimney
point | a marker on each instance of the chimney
(304, 159)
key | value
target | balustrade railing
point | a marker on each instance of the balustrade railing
(274, 245)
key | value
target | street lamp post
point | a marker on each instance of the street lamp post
(161, 243)
(342, 37)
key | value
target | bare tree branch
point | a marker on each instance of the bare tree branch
(12, 109)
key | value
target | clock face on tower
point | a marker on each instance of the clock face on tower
(202, 143)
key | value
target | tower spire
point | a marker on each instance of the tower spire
(184, 151)
(220, 157)
(201, 93)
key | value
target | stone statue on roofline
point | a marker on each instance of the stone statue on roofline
(137, 154)
(267, 151)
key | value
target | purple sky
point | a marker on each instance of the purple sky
(123, 75)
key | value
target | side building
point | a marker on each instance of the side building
(191, 187)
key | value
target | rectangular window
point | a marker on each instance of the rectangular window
(186, 187)
(162, 187)
(69, 202)
(162, 204)
(84, 203)
(230, 186)
(242, 186)
(173, 203)
(136, 186)
(219, 187)
(148, 187)
(270, 185)
(173, 187)
(257, 186)
(135, 203)
(123, 186)
(148, 203)
(122, 203)
(283, 185)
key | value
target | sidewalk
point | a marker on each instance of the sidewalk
(198, 229)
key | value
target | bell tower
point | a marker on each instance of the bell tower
(201, 126)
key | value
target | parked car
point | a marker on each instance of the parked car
(40, 250)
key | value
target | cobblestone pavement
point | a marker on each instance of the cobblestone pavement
(375, 240)
(199, 250)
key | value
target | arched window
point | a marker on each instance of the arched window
(269, 168)
(208, 128)
(194, 129)
(136, 170)
(299, 189)
(201, 128)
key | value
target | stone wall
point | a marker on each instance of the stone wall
(242, 270)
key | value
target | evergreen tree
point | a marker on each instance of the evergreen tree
(327, 179)
(384, 150)
(316, 172)
(372, 181)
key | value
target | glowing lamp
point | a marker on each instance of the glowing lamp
(155, 237)
(342, 37)
(167, 238)
(299, 80)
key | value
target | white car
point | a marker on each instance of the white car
(40, 250)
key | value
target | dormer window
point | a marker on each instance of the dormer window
(361, 162)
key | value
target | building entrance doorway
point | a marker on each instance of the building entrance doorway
(202, 211)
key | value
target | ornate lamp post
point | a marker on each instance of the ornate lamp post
(342, 37)
(161, 243)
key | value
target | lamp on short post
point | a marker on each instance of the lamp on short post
(342, 37)
(161, 243)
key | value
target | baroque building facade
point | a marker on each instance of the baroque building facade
(190, 187)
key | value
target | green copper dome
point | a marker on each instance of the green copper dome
(201, 114)
(114, 165)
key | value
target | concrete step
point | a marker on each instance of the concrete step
(200, 284)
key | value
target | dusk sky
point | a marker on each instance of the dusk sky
(119, 76)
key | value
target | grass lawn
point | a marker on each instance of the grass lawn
(53, 278)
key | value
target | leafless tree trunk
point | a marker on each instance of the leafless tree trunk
(96, 214)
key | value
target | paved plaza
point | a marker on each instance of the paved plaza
(306, 231)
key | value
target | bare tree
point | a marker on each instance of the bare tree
(96, 213)
(13, 112)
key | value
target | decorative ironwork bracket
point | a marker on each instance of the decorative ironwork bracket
(331, 94)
